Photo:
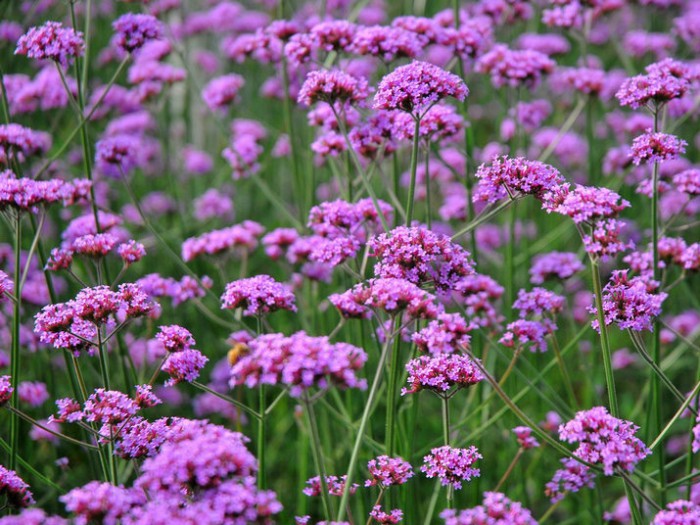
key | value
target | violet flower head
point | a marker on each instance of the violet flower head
(7, 286)
(132, 31)
(447, 334)
(514, 177)
(51, 41)
(5, 390)
(299, 362)
(385, 518)
(420, 256)
(131, 252)
(335, 485)
(679, 512)
(441, 373)
(630, 302)
(514, 68)
(184, 366)
(656, 147)
(22, 142)
(572, 478)
(385, 471)
(538, 301)
(14, 489)
(604, 440)
(524, 332)
(116, 156)
(415, 87)
(331, 87)
(525, 438)
(241, 237)
(386, 43)
(664, 81)
(390, 295)
(452, 466)
(100, 501)
(94, 246)
(606, 239)
(584, 204)
(109, 407)
(222, 91)
(175, 338)
(258, 295)
(496, 509)
(688, 181)
(554, 265)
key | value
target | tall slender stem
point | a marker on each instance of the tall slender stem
(318, 457)
(446, 438)
(604, 341)
(16, 311)
(262, 423)
(363, 426)
(509, 470)
(391, 397)
(656, 392)
(414, 168)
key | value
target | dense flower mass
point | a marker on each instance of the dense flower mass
(299, 362)
(496, 509)
(604, 440)
(452, 466)
(258, 295)
(415, 87)
(51, 41)
(294, 219)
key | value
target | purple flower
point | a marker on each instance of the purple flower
(515, 68)
(606, 240)
(51, 41)
(94, 246)
(175, 338)
(222, 91)
(497, 509)
(242, 236)
(664, 81)
(604, 440)
(572, 478)
(452, 465)
(539, 302)
(335, 485)
(116, 156)
(679, 512)
(184, 366)
(21, 143)
(447, 334)
(140, 438)
(417, 86)
(525, 438)
(584, 203)
(6, 390)
(632, 303)
(440, 373)
(386, 472)
(33, 393)
(131, 252)
(559, 265)
(14, 489)
(688, 181)
(420, 256)
(331, 87)
(656, 147)
(381, 517)
(387, 43)
(514, 177)
(109, 407)
(258, 295)
(300, 362)
(523, 332)
(390, 295)
(100, 501)
(132, 31)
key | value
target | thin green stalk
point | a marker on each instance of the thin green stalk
(446, 438)
(414, 169)
(604, 341)
(363, 426)
(262, 423)
(428, 208)
(16, 310)
(234, 402)
(660, 437)
(318, 457)
(592, 164)
(510, 264)
(509, 470)
(483, 218)
(656, 392)
(391, 410)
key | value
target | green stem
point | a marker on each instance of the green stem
(318, 457)
(428, 208)
(509, 470)
(656, 392)
(414, 168)
(510, 264)
(392, 400)
(446, 439)
(14, 421)
(604, 341)
(363, 426)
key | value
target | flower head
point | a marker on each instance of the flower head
(134, 30)
(14, 489)
(572, 478)
(331, 87)
(385, 471)
(452, 465)
(417, 86)
(496, 509)
(51, 41)
(440, 373)
(656, 147)
(258, 295)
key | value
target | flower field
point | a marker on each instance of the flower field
(349, 262)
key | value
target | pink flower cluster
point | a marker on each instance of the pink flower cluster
(258, 295)
(496, 509)
(452, 466)
(441, 373)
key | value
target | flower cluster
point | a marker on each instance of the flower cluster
(656, 147)
(258, 295)
(514, 177)
(385, 471)
(452, 466)
(604, 440)
(515, 68)
(299, 362)
(496, 509)
(447, 334)
(51, 41)
(440, 373)
(242, 236)
(14, 489)
(525, 438)
(572, 478)
(132, 31)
